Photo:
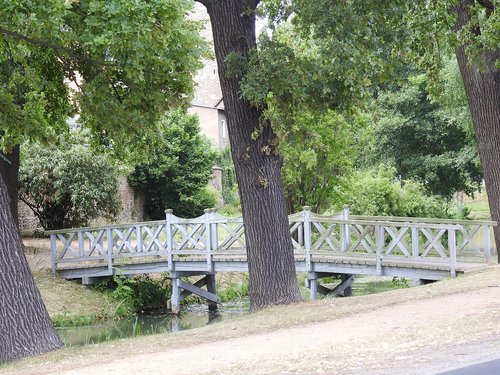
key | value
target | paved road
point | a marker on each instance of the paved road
(485, 368)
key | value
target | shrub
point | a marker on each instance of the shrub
(377, 192)
(140, 293)
(229, 184)
(67, 185)
(178, 171)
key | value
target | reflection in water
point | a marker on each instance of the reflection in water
(146, 325)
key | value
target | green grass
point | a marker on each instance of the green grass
(480, 209)
(72, 304)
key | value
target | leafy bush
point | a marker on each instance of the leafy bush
(319, 151)
(229, 184)
(178, 171)
(426, 141)
(379, 193)
(234, 290)
(67, 185)
(140, 293)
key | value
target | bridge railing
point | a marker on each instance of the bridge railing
(380, 239)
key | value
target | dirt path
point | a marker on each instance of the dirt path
(419, 337)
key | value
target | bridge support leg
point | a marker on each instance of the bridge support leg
(312, 283)
(181, 289)
(343, 289)
(175, 300)
(211, 287)
(346, 285)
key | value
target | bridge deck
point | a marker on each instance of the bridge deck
(333, 264)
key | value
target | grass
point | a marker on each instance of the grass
(68, 303)
(268, 319)
(480, 209)
(71, 304)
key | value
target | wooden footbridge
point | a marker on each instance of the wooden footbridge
(338, 245)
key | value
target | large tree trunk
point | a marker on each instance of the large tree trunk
(10, 172)
(258, 167)
(483, 95)
(25, 325)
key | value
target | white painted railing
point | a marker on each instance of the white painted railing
(314, 238)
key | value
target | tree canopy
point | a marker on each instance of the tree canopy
(119, 63)
(179, 170)
(424, 140)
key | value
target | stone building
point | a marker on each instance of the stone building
(207, 101)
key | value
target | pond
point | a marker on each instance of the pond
(193, 316)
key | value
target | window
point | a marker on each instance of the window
(223, 129)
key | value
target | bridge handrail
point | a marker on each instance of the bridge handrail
(203, 236)
(424, 220)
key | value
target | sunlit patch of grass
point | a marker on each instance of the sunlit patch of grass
(480, 209)
(72, 304)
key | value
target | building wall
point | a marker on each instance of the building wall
(212, 124)
(207, 91)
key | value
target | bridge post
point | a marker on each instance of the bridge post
(168, 230)
(211, 287)
(208, 239)
(488, 250)
(380, 245)
(53, 253)
(109, 235)
(312, 280)
(452, 245)
(175, 300)
(344, 232)
(307, 236)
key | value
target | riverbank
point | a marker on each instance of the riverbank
(374, 333)
(68, 303)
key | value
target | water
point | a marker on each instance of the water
(192, 317)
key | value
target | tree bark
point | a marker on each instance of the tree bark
(25, 326)
(271, 266)
(483, 95)
(10, 172)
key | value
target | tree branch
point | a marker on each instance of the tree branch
(38, 42)
(487, 4)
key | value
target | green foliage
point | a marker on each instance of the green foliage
(326, 56)
(426, 141)
(138, 294)
(127, 60)
(378, 193)
(309, 102)
(179, 170)
(434, 36)
(67, 185)
(319, 151)
(234, 290)
(229, 185)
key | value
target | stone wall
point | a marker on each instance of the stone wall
(132, 203)
(28, 222)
